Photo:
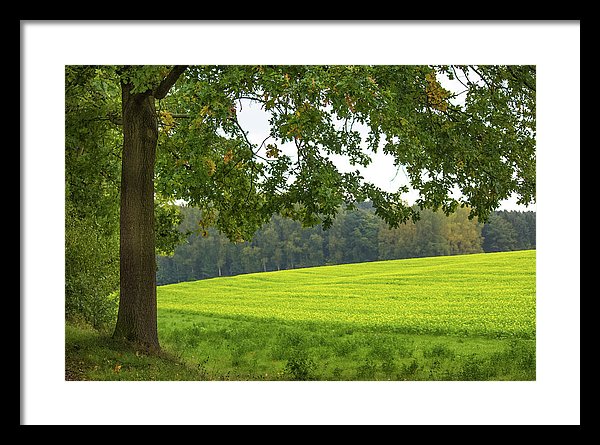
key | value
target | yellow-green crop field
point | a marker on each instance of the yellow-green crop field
(466, 317)
(483, 294)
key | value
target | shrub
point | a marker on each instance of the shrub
(300, 366)
(408, 371)
(91, 272)
(438, 350)
(473, 369)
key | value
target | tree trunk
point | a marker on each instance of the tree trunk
(137, 306)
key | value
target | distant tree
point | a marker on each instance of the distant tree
(498, 235)
(524, 225)
(336, 242)
(293, 251)
(251, 258)
(430, 235)
(434, 234)
(462, 235)
(361, 236)
(530, 223)
(267, 239)
(399, 242)
(314, 250)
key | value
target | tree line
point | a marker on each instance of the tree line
(355, 236)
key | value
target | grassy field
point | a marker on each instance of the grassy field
(467, 317)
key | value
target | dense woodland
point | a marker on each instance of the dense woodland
(355, 236)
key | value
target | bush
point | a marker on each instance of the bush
(91, 272)
(300, 366)
(473, 368)
(408, 371)
(439, 350)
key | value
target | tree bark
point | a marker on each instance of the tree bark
(136, 319)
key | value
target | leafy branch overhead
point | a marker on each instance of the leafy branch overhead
(479, 140)
(484, 146)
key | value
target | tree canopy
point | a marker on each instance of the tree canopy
(483, 146)
(479, 141)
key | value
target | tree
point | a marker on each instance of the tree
(221, 253)
(92, 171)
(398, 242)
(336, 242)
(523, 224)
(430, 235)
(353, 237)
(182, 140)
(462, 234)
(314, 250)
(498, 235)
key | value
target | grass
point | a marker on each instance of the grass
(93, 355)
(468, 317)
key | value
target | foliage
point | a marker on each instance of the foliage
(168, 218)
(509, 230)
(483, 146)
(91, 271)
(93, 143)
(91, 195)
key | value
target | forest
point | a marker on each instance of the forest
(355, 236)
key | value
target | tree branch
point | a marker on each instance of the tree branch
(161, 91)
(512, 73)
(249, 144)
(118, 120)
(482, 78)
(457, 78)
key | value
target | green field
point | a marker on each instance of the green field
(465, 317)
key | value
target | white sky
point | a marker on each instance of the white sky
(554, 398)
